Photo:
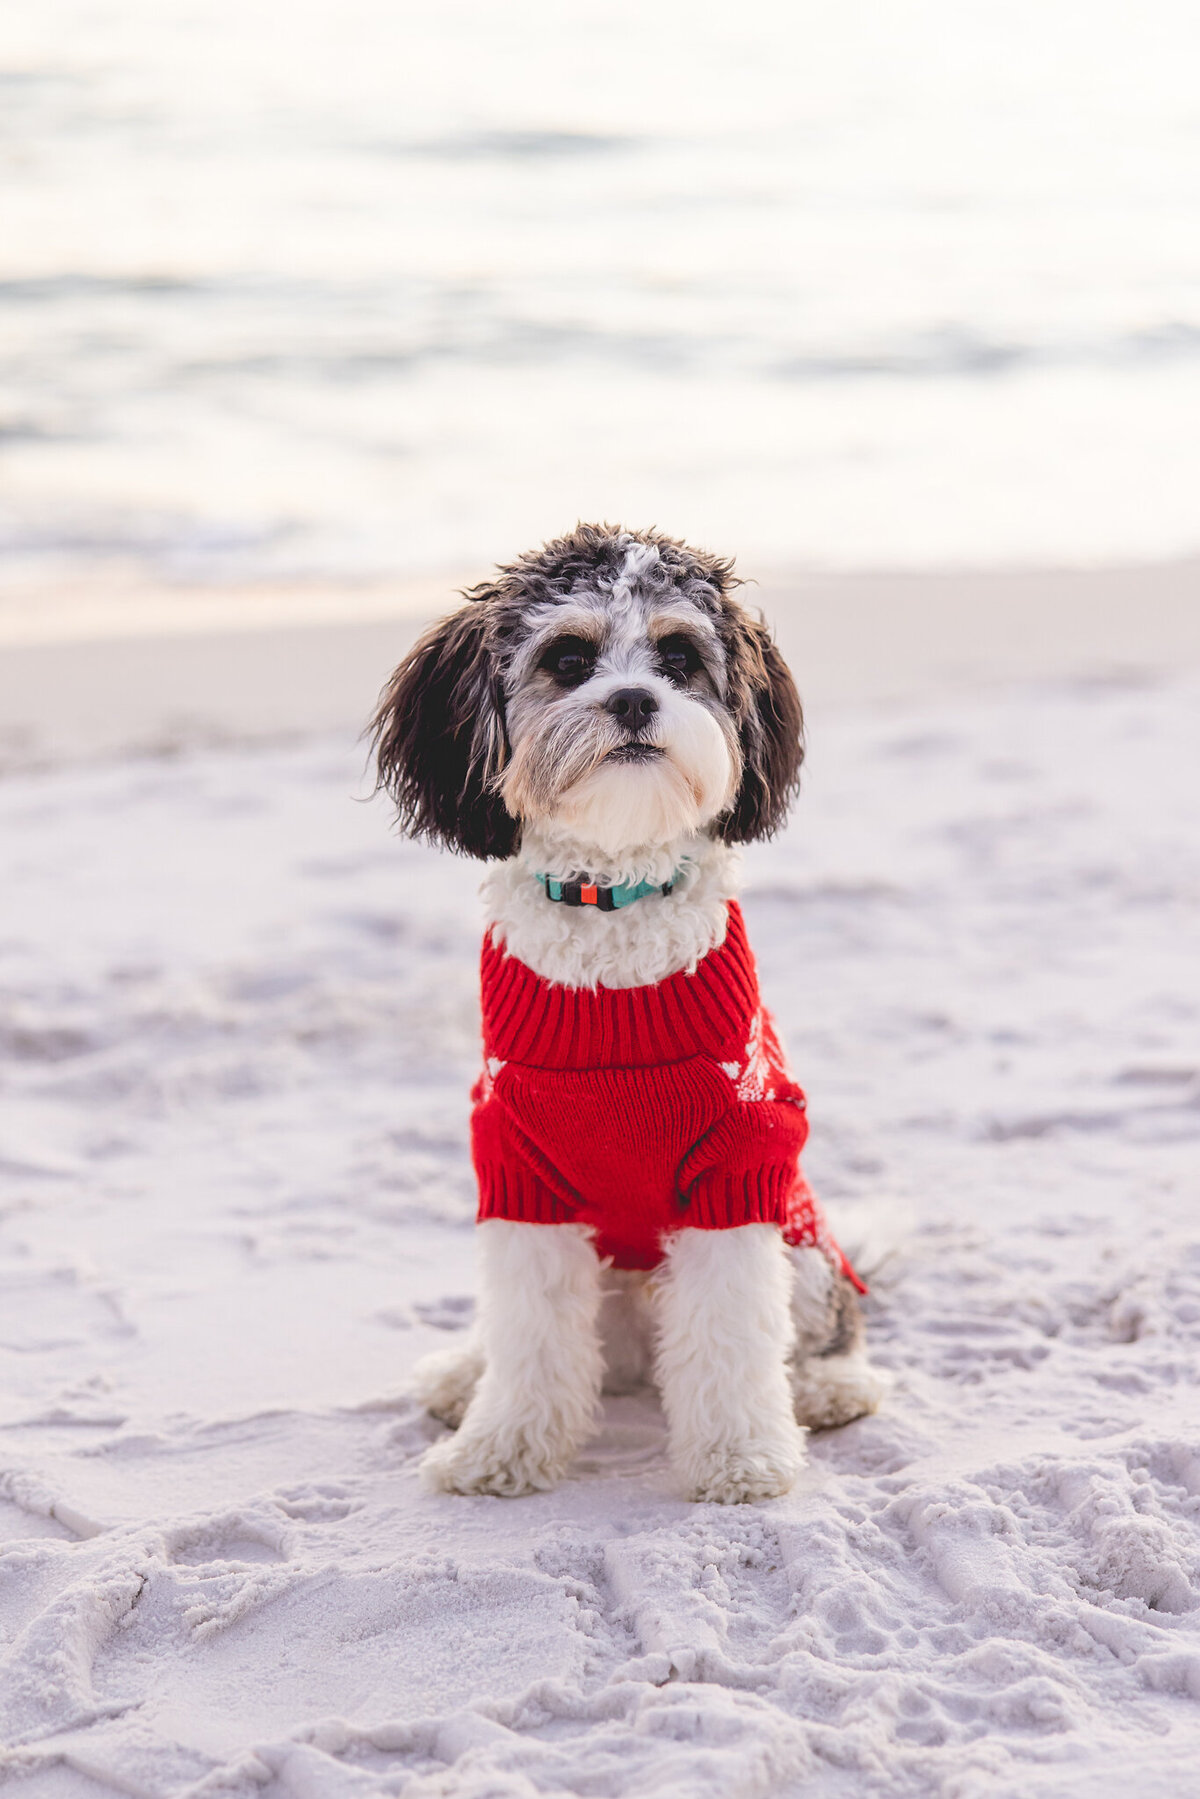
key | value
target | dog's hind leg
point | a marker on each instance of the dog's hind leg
(626, 1331)
(724, 1333)
(540, 1383)
(445, 1381)
(831, 1379)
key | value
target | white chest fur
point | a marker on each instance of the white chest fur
(580, 946)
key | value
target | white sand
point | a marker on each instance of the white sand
(237, 1026)
(145, 669)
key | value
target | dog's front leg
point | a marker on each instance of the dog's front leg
(725, 1333)
(537, 1396)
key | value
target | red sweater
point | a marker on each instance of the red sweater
(640, 1109)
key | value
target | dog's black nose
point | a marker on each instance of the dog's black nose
(634, 706)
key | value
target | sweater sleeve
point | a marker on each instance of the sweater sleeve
(743, 1171)
(747, 1171)
(515, 1180)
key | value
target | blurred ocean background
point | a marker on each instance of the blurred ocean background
(381, 287)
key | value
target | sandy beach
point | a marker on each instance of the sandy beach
(309, 313)
(237, 1033)
(136, 668)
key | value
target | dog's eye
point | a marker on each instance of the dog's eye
(570, 660)
(678, 658)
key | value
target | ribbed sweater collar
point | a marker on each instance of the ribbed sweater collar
(529, 1020)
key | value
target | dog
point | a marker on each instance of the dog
(605, 723)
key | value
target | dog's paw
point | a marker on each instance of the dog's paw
(508, 1465)
(445, 1381)
(832, 1390)
(738, 1475)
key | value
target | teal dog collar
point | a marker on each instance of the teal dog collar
(605, 899)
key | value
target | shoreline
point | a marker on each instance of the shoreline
(159, 671)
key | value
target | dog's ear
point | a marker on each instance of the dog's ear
(439, 739)
(763, 699)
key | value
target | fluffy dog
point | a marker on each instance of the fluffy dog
(606, 723)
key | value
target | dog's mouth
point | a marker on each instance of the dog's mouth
(635, 752)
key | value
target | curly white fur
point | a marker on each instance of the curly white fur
(537, 1396)
(579, 946)
(725, 1329)
(445, 1381)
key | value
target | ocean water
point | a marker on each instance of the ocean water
(392, 286)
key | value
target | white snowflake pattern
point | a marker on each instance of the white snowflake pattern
(754, 1078)
(487, 1080)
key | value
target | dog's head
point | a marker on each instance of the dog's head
(607, 687)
